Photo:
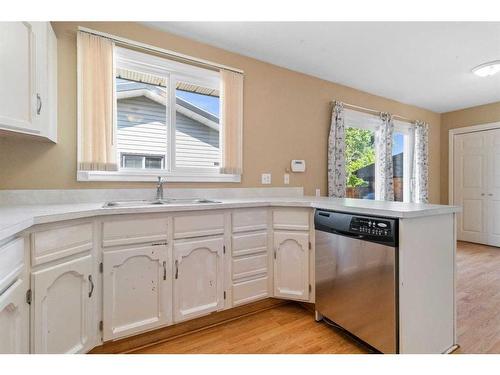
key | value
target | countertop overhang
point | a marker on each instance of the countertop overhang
(15, 219)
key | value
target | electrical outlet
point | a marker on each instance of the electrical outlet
(286, 178)
(318, 192)
(266, 178)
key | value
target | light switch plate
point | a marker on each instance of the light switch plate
(266, 178)
(286, 178)
(318, 192)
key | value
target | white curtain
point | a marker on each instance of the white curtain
(384, 184)
(336, 151)
(232, 122)
(420, 167)
(96, 87)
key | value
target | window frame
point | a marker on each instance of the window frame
(173, 71)
(365, 121)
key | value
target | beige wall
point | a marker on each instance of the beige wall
(482, 114)
(286, 116)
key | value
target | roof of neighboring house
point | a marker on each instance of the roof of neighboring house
(367, 173)
(128, 89)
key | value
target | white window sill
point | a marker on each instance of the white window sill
(141, 176)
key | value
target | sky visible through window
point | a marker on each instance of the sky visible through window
(206, 102)
(397, 143)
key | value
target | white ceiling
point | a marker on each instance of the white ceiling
(427, 64)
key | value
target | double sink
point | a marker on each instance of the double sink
(157, 202)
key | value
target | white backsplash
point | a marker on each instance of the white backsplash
(29, 197)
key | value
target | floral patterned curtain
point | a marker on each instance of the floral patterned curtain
(420, 175)
(336, 157)
(384, 184)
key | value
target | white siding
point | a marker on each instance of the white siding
(196, 145)
(142, 130)
(141, 127)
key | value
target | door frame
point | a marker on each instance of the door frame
(451, 147)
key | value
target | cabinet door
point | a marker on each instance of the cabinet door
(18, 77)
(63, 306)
(291, 265)
(137, 284)
(198, 277)
(14, 319)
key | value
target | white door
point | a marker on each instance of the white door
(476, 186)
(14, 319)
(63, 307)
(18, 88)
(291, 265)
(470, 186)
(137, 290)
(198, 277)
(493, 190)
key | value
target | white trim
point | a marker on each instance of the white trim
(159, 50)
(451, 146)
(146, 176)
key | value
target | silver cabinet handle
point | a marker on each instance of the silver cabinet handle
(490, 195)
(274, 253)
(482, 194)
(38, 104)
(91, 286)
(164, 270)
(176, 269)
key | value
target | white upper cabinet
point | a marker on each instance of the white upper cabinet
(291, 265)
(137, 290)
(63, 307)
(28, 83)
(198, 277)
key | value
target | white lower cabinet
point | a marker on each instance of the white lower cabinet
(291, 265)
(136, 290)
(63, 307)
(198, 277)
(14, 319)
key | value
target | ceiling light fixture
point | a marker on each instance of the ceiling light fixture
(487, 69)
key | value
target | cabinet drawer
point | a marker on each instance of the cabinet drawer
(11, 262)
(198, 225)
(252, 265)
(56, 243)
(244, 220)
(250, 290)
(250, 243)
(291, 218)
(133, 231)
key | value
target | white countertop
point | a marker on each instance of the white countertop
(16, 218)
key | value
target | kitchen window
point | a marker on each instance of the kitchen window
(360, 156)
(169, 109)
(166, 118)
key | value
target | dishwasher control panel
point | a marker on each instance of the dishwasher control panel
(371, 226)
(382, 230)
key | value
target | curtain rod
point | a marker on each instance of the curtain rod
(364, 109)
(162, 51)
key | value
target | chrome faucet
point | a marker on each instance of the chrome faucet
(159, 188)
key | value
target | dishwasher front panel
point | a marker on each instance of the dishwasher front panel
(356, 288)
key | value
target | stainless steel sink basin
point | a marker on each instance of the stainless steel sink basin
(157, 202)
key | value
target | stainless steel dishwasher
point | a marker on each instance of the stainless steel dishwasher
(357, 276)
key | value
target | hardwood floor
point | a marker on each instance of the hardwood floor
(291, 328)
(478, 298)
(286, 329)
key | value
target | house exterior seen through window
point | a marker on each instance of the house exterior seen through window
(167, 115)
